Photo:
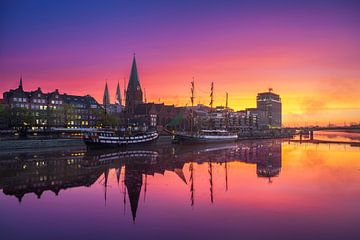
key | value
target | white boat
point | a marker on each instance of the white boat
(205, 136)
(101, 139)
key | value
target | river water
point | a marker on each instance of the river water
(268, 189)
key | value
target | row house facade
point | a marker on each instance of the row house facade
(54, 109)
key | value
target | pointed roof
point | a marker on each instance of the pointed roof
(21, 83)
(106, 97)
(118, 94)
(134, 80)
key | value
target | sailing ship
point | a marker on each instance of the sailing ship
(105, 139)
(203, 136)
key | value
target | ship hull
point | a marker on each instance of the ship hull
(179, 138)
(110, 140)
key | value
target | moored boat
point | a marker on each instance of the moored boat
(205, 136)
(104, 139)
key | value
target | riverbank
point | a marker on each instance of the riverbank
(37, 143)
(33, 144)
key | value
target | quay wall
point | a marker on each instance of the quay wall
(33, 144)
(36, 144)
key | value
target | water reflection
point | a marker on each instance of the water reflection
(22, 174)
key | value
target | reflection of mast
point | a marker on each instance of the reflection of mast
(106, 175)
(145, 187)
(211, 182)
(226, 176)
(124, 191)
(192, 190)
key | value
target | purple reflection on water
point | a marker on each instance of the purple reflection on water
(250, 190)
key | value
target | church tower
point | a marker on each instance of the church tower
(118, 99)
(106, 97)
(134, 94)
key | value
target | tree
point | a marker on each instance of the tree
(21, 119)
(4, 117)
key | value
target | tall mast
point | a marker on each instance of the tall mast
(192, 98)
(212, 96)
(227, 111)
(211, 103)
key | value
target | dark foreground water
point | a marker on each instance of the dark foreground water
(249, 190)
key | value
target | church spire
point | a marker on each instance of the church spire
(118, 94)
(134, 94)
(20, 83)
(106, 97)
(134, 81)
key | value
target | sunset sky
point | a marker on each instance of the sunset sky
(307, 51)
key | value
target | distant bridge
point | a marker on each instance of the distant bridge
(309, 131)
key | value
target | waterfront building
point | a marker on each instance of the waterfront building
(266, 115)
(54, 109)
(270, 103)
(161, 115)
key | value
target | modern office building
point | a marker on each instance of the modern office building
(270, 103)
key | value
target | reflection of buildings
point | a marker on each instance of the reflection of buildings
(22, 174)
(36, 174)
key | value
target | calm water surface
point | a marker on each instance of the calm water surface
(268, 189)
